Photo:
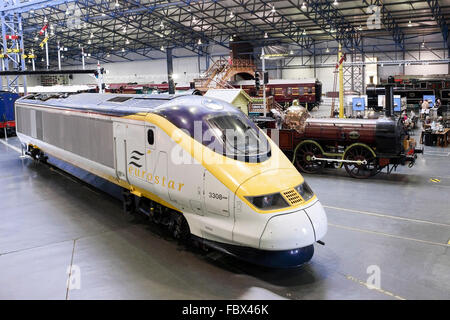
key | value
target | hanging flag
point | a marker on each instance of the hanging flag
(11, 37)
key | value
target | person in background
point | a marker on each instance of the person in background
(413, 118)
(404, 115)
(427, 123)
(425, 108)
(421, 113)
(439, 107)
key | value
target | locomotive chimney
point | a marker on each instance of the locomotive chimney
(389, 97)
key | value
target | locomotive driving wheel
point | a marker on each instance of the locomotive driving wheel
(304, 157)
(365, 165)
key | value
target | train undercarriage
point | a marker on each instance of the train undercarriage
(359, 160)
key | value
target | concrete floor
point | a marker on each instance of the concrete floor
(50, 222)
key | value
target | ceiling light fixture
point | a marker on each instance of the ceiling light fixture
(162, 48)
(409, 23)
(199, 41)
(303, 6)
(266, 35)
(231, 15)
(335, 3)
(117, 3)
(273, 9)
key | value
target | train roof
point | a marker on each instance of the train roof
(127, 104)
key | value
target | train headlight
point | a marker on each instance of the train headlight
(305, 191)
(268, 202)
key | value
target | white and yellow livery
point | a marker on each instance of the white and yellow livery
(244, 198)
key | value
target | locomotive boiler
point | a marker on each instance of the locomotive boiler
(362, 146)
(194, 164)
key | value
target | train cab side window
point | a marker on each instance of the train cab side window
(150, 137)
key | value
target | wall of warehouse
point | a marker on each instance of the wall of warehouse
(186, 69)
(146, 71)
(31, 81)
(325, 74)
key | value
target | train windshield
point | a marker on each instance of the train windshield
(238, 138)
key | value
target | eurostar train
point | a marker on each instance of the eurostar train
(244, 199)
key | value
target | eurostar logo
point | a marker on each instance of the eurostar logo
(135, 169)
(135, 158)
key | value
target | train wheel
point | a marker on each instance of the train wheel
(368, 165)
(179, 227)
(303, 158)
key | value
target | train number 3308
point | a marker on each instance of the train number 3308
(217, 196)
